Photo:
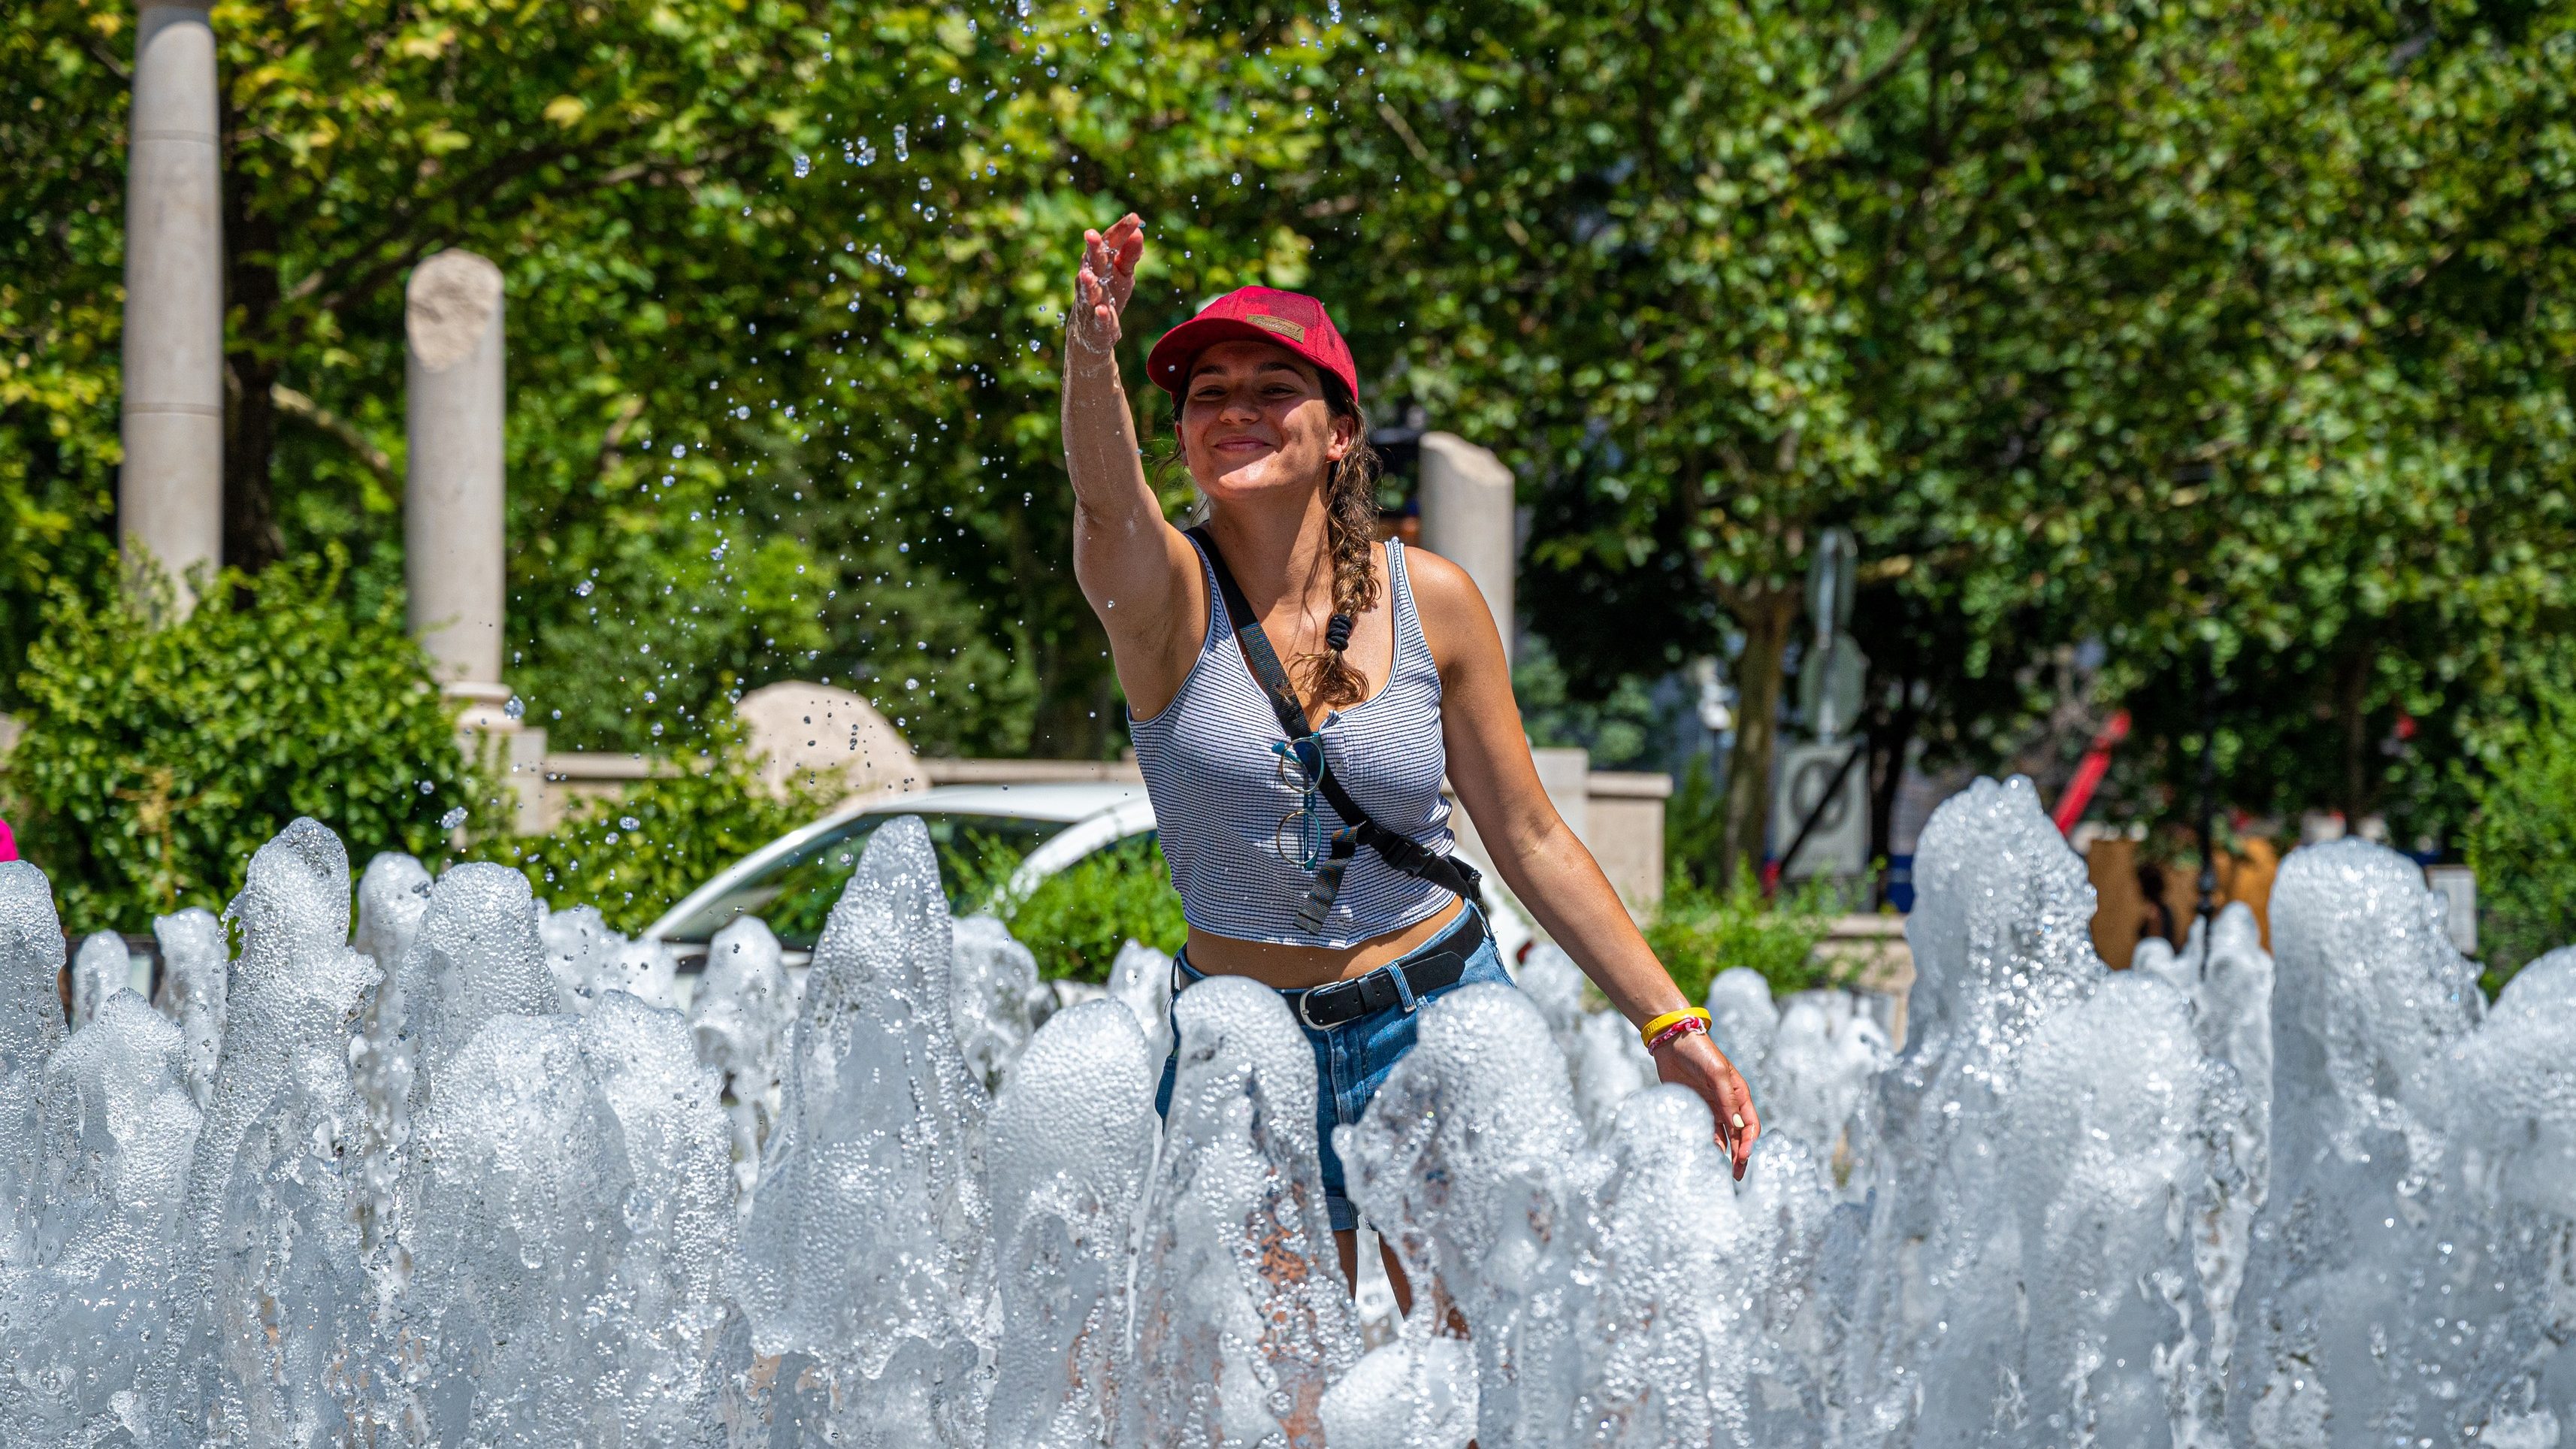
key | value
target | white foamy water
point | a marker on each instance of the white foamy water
(474, 1182)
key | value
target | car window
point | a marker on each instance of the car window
(795, 893)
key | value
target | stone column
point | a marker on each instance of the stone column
(170, 493)
(1467, 518)
(454, 537)
(452, 490)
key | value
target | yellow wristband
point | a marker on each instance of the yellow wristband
(1655, 1025)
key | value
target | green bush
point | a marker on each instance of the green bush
(635, 855)
(2522, 844)
(1699, 932)
(1077, 919)
(159, 755)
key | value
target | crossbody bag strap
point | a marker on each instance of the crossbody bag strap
(1401, 851)
(1254, 641)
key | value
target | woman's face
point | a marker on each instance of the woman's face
(1254, 419)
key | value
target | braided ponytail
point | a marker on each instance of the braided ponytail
(1350, 533)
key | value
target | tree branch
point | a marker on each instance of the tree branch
(305, 410)
(1870, 80)
(612, 443)
(1412, 142)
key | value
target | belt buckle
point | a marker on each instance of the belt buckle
(1303, 999)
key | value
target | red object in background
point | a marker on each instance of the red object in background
(8, 843)
(1290, 320)
(2088, 775)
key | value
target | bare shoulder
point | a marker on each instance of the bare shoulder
(1439, 584)
(1455, 620)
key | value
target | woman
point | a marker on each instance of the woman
(1300, 805)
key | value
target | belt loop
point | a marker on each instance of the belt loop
(1403, 988)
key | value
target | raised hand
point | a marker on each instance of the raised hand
(1106, 281)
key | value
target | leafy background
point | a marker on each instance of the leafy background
(2209, 361)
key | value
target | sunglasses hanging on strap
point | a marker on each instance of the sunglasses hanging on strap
(1400, 851)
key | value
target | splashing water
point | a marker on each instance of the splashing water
(993, 996)
(1072, 1138)
(1242, 1319)
(867, 1265)
(31, 1027)
(89, 1307)
(195, 967)
(99, 970)
(464, 1185)
(276, 1341)
(739, 1016)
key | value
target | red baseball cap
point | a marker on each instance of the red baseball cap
(1291, 320)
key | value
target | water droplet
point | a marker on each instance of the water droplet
(452, 818)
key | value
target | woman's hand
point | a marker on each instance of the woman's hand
(1694, 1061)
(1106, 281)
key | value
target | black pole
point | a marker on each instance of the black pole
(1816, 811)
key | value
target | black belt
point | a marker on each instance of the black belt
(1435, 966)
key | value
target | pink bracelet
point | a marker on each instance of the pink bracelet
(1676, 1031)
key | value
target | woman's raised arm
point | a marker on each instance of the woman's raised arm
(1141, 576)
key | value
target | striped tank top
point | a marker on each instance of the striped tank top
(1220, 801)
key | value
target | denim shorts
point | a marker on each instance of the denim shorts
(1351, 1060)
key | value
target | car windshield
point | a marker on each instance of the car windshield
(796, 892)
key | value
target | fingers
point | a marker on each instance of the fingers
(1742, 1125)
(1107, 276)
(1128, 240)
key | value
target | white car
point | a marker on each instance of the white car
(792, 882)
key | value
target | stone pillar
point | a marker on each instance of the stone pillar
(1468, 519)
(170, 493)
(454, 537)
(452, 490)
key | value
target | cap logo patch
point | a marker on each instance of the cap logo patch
(1280, 325)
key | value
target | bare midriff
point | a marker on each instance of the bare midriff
(1294, 968)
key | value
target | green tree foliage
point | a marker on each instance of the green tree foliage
(783, 283)
(2522, 844)
(1613, 239)
(2234, 333)
(2270, 329)
(62, 224)
(158, 756)
(2239, 331)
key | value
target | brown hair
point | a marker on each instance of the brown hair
(1350, 533)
